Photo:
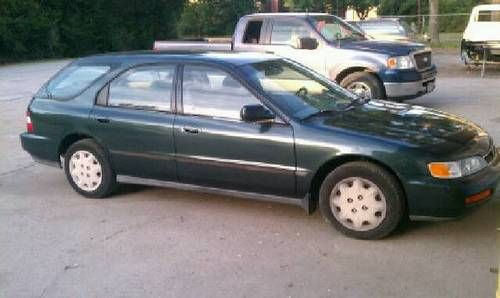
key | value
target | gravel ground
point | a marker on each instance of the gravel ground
(149, 241)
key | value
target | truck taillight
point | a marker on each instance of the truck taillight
(29, 124)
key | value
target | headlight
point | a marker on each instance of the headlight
(455, 169)
(401, 62)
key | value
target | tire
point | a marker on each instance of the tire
(375, 193)
(358, 81)
(95, 177)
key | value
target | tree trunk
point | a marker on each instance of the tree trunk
(434, 20)
(419, 18)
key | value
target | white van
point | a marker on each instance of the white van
(481, 39)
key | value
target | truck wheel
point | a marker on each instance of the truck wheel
(88, 169)
(364, 84)
(362, 200)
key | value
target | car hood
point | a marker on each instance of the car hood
(391, 48)
(431, 130)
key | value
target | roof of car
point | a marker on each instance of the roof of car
(289, 14)
(225, 57)
(487, 7)
(379, 20)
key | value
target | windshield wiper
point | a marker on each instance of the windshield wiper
(320, 112)
(357, 101)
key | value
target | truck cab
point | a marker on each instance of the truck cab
(335, 49)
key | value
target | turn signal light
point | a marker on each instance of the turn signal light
(29, 124)
(439, 169)
(478, 197)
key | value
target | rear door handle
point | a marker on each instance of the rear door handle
(190, 129)
(103, 120)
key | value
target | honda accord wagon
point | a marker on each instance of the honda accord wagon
(258, 126)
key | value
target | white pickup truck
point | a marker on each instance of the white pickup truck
(481, 39)
(325, 43)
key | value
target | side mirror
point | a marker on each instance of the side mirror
(306, 43)
(256, 113)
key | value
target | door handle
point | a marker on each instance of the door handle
(190, 129)
(103, 120)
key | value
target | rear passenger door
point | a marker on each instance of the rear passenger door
(215, 148)
(133, 119)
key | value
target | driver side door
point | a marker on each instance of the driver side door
(282, 40)
(215, 148)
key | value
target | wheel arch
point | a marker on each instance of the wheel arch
(332, 164)
(354, 69)
(72, 138)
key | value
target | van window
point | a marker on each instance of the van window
(74, 79)
(252, 33)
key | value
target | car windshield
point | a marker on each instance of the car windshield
(333, 29)
(296, 90)
(386, 27)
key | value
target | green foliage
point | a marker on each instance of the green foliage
(362, 7)
(213, 17)
(306, 5)
(32, 29)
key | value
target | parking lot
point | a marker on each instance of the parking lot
(164, 242)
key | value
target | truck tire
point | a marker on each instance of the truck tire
(364, 84)
(362, 200)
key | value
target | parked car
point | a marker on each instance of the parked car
(260, 126)
(481, 39)
(391, 29)
(330, 46)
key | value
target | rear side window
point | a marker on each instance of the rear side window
(252, 33)
(74, 79)
(145, 88)
(488, 16)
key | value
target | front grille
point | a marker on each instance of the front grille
(423, 60)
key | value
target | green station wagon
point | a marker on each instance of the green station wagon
(258, 126)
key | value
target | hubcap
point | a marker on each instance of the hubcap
(358, 204)
(85, 170)
(360, 89)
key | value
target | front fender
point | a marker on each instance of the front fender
(372, 64)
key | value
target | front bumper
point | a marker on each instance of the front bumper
(431, 198)
(410, 83)
(409, 90)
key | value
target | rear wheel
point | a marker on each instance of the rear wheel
(88, 169)
(362, 200)
(364, 84)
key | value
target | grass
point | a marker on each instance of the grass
(448, 41)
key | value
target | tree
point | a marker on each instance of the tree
(434, 20)
(213, 17)
(363, 7)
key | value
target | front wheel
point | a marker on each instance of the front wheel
(364, 84)
(88, 169)
(362, 200)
